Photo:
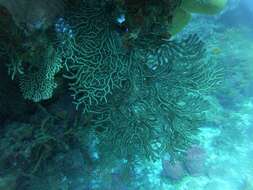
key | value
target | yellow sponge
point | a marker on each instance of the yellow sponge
(180, 19)
(203, 6)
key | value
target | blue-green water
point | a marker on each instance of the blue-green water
(112, 95)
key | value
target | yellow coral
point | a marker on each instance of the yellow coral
(182, 15)
(180, 19)
(204, 6)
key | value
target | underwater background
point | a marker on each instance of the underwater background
(126, 95)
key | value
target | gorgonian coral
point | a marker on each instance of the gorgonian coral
(161, 106)
(144, 99)
(94, 57)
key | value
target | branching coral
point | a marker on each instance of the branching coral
(161, 106)
(94, 58)
(144, 99)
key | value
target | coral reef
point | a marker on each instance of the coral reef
(131, 95)
(138, 93)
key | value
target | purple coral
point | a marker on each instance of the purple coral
(195, 160)
(173, 171)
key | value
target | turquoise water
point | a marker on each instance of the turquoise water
(105, 95)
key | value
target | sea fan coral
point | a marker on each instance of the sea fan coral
(94, 58)
(142, 100)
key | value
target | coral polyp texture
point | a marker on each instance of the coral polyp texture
(39, 83)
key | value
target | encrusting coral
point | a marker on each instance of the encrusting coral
(38, 83)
